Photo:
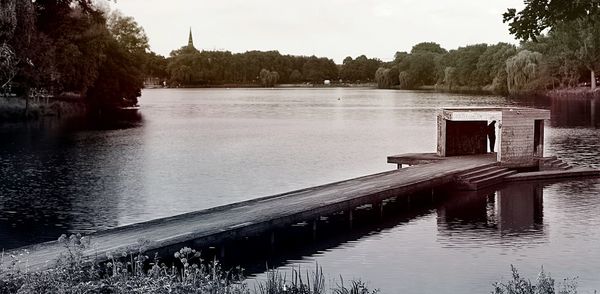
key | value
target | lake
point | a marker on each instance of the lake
(190, 149)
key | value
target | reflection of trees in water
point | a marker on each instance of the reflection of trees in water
(566, 112)
(512, 214)
(574, 137)
(55, 179)
(575, 112)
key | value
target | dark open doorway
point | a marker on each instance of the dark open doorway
(538, 137)
(466, 137)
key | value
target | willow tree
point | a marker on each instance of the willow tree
(523, 71)
(268, 78)
(575, 23)
(386, 78)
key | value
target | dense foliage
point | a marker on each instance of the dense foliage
(71, 48)
(571, 45)
(539, 15)
(190, 67)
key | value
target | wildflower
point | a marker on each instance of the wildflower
(176, 254)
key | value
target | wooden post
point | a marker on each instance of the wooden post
(350, 218)
(272, 239)
(27, 93)
(378, 209)
(314, 229)
(593, 111)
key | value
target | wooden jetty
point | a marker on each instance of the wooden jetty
(461, 159)
(262, 215)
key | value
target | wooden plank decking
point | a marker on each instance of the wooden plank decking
(261, 215)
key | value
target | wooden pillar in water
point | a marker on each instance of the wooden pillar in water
(350, 218)
(378, 209)
(593, 111)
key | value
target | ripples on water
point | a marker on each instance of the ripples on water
(193, 149)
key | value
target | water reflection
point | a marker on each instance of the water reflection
(304, 239)
(50, 186)
(575, 112)
(509, 214)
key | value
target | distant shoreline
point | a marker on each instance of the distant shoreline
(303, 85)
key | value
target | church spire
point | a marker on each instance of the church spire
(191, 40)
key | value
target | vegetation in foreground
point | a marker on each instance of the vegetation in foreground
(134, 272)
(544, 284)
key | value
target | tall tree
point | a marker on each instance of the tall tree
(539, 15)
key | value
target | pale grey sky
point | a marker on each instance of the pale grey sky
(330, 28)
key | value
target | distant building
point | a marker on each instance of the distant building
(189, 48)
(326, 82)
(190, 44)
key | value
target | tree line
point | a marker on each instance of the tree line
(71, 47)
(560, 48)
(190, 67)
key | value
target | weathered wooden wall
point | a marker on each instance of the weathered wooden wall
(517, 144)
(441, 135)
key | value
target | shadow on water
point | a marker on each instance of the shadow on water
(44, 192)
(510, 212)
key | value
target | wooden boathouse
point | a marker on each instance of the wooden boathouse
(519, 132)
(461, 162)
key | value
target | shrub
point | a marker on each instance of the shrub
(544, 284)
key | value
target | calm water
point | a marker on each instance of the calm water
(192, 149)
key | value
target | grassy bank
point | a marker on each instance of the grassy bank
(134, 272)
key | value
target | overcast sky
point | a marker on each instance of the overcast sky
(330, 28)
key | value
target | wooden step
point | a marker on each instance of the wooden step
(483, 182)
(563, 165)
(477, 171)
(488, 174)
(554, 164)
